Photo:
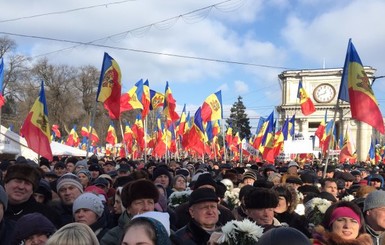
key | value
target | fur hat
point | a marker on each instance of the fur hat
(160, 170)
(202, 195)
(31, 224)
(3, 198)
(24, 172)
(260, 198)
(69, 179)
(205, 179)
(89, 201)
(139, 189)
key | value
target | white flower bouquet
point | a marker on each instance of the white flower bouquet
(315, 209)
(243, 232)
(232, 199)
(178, 197)
(348, 198)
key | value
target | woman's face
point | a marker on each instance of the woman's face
(180, 184)
(83, 179)
(118, 207)
(137, 235)
(346, 228)
(282, 205)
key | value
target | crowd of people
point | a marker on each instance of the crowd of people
(120, 201)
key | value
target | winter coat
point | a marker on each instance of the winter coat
(323, 237)
(114, 235)
(15, 211)
(294, 220)
(64, 211)
(6, 231)
(193, 234)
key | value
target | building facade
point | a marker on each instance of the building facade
(322, 86)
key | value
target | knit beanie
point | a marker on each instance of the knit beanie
(249, 175)
(69, 179)
(139, 189)
(3, 198)
(31, 224)
(82, 163)
(23, 172)
(89, 201)
(260, 198)
(86, 172)
(44, 189)
(375, 199)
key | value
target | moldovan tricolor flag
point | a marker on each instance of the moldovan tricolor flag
(355, 88)
(307, 106)
(212, 107)
(110, 86)
(2, 100)
(169, 106)
(36, 129)
(111, 135)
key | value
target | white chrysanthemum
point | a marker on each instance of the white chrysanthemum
(227, 229)
(251, 228)
(348, 198)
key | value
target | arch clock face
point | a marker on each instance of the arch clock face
(324, 93)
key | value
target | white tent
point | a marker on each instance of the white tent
(11, 143)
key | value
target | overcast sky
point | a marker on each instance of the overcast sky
(266, 37)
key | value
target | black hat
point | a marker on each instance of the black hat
(124, 168)
(112, 163)
(94, 167)
(182, 171)
(101, 182)
(347, 176)
(355, 172)
(204, 179)
(263, 183)
(202, 195)
(260, 198)
(45, 189)
(139, 189)
(328, 196)
(294, 180)
(161, 170)
(306, 189)
(282, 236)
(308, 178)
(59, 165)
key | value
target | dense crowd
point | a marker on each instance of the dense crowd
(104, 201)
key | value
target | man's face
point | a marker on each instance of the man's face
(70, 167)
(205, 213)
(140, 206)
(108, 168)
(59, 171)
(375, 218)
(329, 175)
(331, 187)
(18, 190)
(163, 180)
(261, 216)
(68, 194)
(292, 170)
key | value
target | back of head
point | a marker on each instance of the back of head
(283, 236)
(73, 233)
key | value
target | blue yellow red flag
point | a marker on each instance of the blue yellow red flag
(111, 137)
(307, 106)
(156, 100)
(56, 131)
(36, 129)
(110, 86)
(169, 105)
(356, 89)
(73, 138)
(2, 100)
(212, 107)
(133, 98)
(146, 99)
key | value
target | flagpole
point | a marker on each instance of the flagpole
(93, 113)
(332, 131)
(145, 139)
(224, 141)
